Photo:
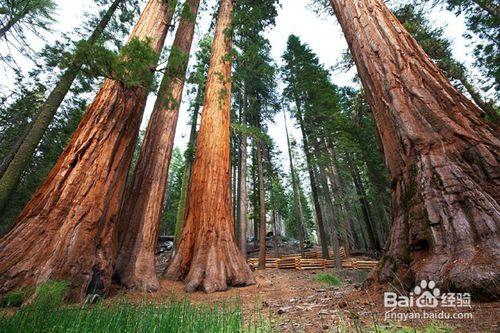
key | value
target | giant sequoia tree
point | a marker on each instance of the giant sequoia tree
(67, 230)
(442, 158)
(21, 154)
(208, 257)
(143, 202)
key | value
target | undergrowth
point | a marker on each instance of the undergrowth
(46, 313)
(327, 278)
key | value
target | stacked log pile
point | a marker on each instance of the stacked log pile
(312, 260)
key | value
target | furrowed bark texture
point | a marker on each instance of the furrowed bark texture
(23, 153)
(442, 158)
(67, 230)
(208, 257)
(140, 215)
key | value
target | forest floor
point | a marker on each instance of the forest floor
(294, 301)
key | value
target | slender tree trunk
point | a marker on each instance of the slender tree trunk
(243, 190)
(67, 231)
(365, 205)
(141, 211)
(208, 257)
(442, 158)
(262, 204)
(488, 108)
(234, 181)
(8, 26)
(237, 203)
(329, 207)
(337, 190)
(275, 232)
(13, 150)
(14, 20)
(314, 189)
(24, 153)
(296, 193)
(345, 204)
(186, 176)
(490, 7)
(255, 198)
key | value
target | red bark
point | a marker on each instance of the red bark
(67, 231)
(140, 215)
(208, 257)
(442, 158)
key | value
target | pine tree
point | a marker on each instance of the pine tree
(19, 17)
(21, 153)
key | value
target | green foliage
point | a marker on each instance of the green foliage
(133, 65)
(338, 127)
(169, 316)
(483, 22)
(14, 120)
(15, 298)
(20, 18)
(50, 294)
(327, 278)
(173, 195)
(439, 49)
(434, 327)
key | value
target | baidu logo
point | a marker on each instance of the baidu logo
(426, 297)
(427, 294)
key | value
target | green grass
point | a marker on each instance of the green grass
(327, 278)
(14, 298)
(47, 314)
(434, 327)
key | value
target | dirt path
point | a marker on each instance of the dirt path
(296, 302)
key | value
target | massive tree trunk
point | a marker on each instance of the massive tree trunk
(67, 231)
(208, 257)
(262, 210)
(296, 193)
(442, 158)
(142, 206)
(22, 154)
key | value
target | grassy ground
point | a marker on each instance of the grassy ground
(47, 314)
(328, 279)
(312, 304)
